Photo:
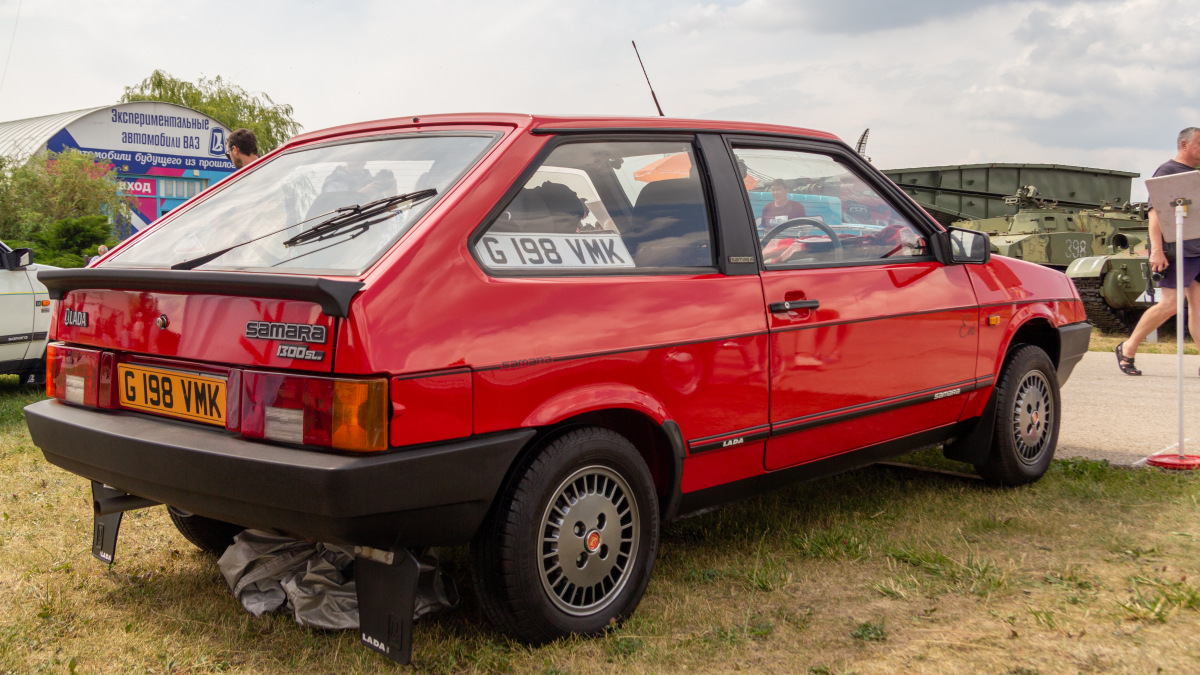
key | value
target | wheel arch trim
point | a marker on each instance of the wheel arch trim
(592, 398)
(1033, 324)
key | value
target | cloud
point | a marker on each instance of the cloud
(1103, 84)
(1081, 78)
(822, 17)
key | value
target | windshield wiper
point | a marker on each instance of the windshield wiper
(345, 217)
(358, 217)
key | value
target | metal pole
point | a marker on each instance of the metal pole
(1180, 214)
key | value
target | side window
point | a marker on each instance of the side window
(604, 205)
(810, 209)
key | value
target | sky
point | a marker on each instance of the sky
(1105, 84)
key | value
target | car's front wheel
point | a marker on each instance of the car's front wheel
(1028, 415)
(571, 544)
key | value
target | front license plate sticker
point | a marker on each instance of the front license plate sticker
(191, 397)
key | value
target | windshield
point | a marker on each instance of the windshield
(286, 195)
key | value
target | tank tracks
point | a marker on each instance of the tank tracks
(1108, 319)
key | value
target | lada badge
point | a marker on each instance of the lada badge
(73, 318)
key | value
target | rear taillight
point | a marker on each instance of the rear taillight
(332, 412)
(341, 413)
(73, 374)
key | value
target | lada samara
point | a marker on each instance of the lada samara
(545, 337)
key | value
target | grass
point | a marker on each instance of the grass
(1095, 568)
(1103, 342)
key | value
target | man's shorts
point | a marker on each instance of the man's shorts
(1191, 272)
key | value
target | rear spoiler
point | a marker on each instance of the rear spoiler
(333, 295)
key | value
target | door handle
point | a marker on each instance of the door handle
(793, 305)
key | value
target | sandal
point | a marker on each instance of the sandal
(1125, 363)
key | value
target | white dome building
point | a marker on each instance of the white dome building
(163, 153)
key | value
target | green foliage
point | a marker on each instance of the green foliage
(623, 647)
(10, 223)
(869, 632)
(14, 396)
(53, 186)
(836, 542)
(976, 576)
(1081, 468)
(1155, 600)
(69, 242)
(225, 102)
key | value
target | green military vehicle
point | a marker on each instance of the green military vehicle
(1100, 245)
(1116, 283)
(1102, 250)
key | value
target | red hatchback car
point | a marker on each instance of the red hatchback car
(545, 337)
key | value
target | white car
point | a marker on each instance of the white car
(24, 315)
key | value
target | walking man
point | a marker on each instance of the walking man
(1162, 260)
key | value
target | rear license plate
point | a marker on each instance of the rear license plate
(199, 398)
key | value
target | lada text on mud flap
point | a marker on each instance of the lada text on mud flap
(543, 337)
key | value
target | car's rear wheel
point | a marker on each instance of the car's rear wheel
(1027, 419)
(571, 544)
(208, 535)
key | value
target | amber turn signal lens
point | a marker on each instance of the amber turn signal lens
(360, 415)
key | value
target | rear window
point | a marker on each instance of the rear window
(296, 191)
(604, 207)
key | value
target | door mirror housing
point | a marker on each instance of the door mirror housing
(17, 259)
(970, 247)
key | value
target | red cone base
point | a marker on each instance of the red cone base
(1185, 463)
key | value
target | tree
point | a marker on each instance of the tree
(223, 101)
(70, 242)
(54, 186)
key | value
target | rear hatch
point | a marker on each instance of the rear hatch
(251, 353)
(223, 319)
(226, 311)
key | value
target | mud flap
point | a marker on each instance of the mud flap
(975, 446)
(105, 528)
(386, 583)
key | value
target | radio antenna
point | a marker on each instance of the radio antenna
(639, 58)
(861, 146)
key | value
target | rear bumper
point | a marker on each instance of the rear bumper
(1072, 345)
(433, 495)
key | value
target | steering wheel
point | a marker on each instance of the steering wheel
(779, 229)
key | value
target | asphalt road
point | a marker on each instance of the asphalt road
(1110, 415)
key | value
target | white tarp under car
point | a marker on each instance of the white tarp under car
(315, 581)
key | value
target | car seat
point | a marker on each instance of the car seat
(670, 225)
(549, 208)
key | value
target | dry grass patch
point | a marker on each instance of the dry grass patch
(1103, 342)
(1094, 569)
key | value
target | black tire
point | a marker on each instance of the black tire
(539, 576)
(208, 535)
(1028, 412)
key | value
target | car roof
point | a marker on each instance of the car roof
(553, 124)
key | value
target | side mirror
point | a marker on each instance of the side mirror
(971, 247)
(18, 259)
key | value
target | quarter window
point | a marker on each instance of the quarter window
(810, 209)
(605, 206)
